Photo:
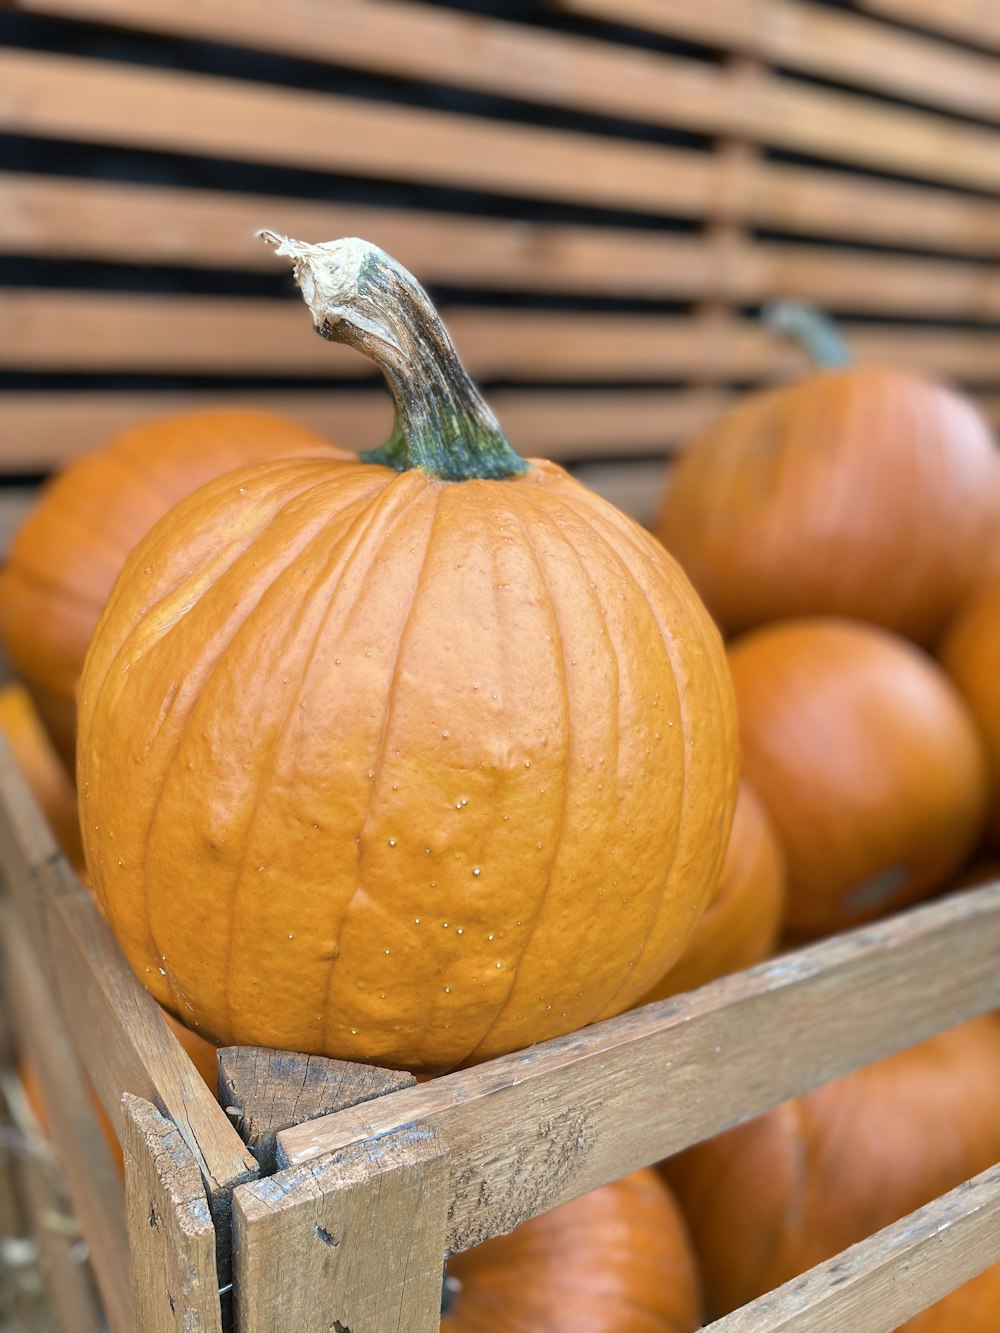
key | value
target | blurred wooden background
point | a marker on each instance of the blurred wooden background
(599, 193)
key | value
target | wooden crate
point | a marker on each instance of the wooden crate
(360, 1180)
(600, 193)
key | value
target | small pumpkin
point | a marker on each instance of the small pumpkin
(868, 762)
(415, 760)
(743, 921)
(67, 553)
(41, 767)
(769, 1199)
(616, 1260)
(970, 653)
(862, 491)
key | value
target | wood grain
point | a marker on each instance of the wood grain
(536, 1128)
(91, 1176)
(266, 1091)
(117, 1028)
(175, 1286)
(882, 1281)
(974, 21)
(353, 1243)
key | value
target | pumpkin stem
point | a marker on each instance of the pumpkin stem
(815, 332)
(361, 296)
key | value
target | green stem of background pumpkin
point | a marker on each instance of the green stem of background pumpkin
(816, 332)
(361, 296)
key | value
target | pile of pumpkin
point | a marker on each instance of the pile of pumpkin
(427, 756)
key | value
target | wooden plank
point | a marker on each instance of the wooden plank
(266, 1091)
(175, 1286)
(536, 1128)
(45, 430)
(83, 1151)
(116, 1026)
(831, 43)
(306, 1254)
(94, 101)
(877, 1284)
(974, 21)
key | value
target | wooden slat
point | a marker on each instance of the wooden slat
(831, 43)
(533, 1129)
(96, 101)
(118, 1029)
(882, 1281)
(975, 21)
(355, 1242)
(111, 331)
(108, 220)
(90, 1172)
(41, 431)
(175, 1288)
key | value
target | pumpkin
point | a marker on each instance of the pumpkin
(41, 767)
(868, 762)
(769, 1199)
(743, 921)
(970, 653)
(864, 492)
(414, 760)
(66, 555)
(616, 1260)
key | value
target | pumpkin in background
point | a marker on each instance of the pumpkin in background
(616, 1260)
(67, 553)
(863, 492)
(868, 762)
(769, 1199)
(42, 769)
(447, 745)
(743, 921)
(970, 653)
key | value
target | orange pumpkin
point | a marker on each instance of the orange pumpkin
(868, 762)
(864, 492)
(616, 1260)
(743, 921)
(446, 746)
(41, 767)
(67, 553)
(769, 1199)
(970, 653)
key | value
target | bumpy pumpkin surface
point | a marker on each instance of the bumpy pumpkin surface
(69, 550)
(970, 653)
(868, 762)
(395, 767)
(864, 492)
(771, 1198)
(616, 1260)
(743, 921)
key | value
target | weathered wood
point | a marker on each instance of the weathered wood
(266, 1091)
(175, 1286)
(880, 1282)
(353, 1243)
(91, 1175)
(536, 1128)
(974, 21)
(117, 1028)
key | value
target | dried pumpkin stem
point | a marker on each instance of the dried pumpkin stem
(811, 329)
(361, 296)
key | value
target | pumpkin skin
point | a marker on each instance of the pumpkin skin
(41, 768)
(970, 653)
(616, 1260)
(385, 812)
(865, 492)
(67, 553)
(769, 1199)
(869, 764)
(743, 921)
